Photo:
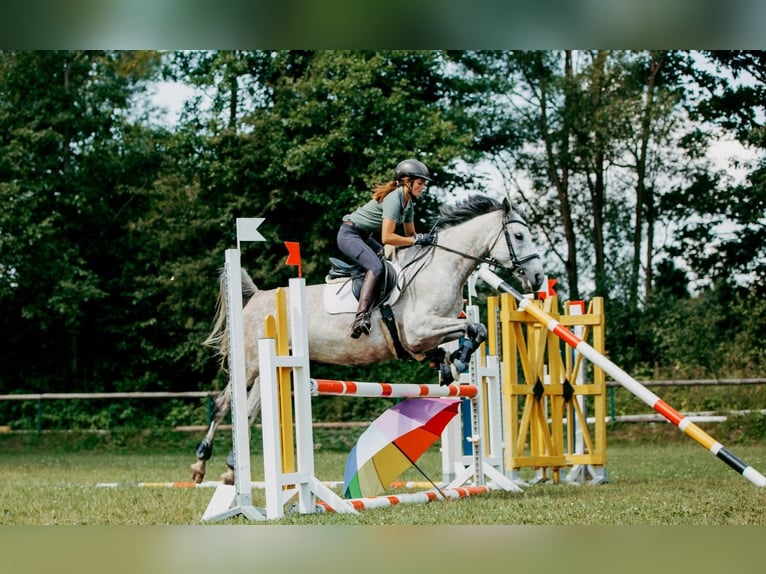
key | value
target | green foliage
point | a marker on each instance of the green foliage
(715, 334)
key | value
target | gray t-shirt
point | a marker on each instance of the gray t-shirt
(369, 217)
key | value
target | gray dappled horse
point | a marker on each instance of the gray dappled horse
(431, 281)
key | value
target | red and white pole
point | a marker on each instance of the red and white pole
(401, 390)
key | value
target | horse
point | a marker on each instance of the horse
(430, 280)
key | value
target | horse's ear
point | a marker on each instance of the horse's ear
(506, 205)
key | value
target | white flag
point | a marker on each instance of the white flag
(247, 229)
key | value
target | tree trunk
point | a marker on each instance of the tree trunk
(598, 190)
(233, 96)
(650, 216)
(560, 176)
(641, 172)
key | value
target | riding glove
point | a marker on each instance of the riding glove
(424, 238)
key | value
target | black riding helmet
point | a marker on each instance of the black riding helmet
(412, 168)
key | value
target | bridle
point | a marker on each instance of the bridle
(517, 263)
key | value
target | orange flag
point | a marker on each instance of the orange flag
(549, 292)
(294, 255)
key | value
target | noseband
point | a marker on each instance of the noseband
(517, 262)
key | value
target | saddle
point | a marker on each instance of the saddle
(386, 294)
(343, 272)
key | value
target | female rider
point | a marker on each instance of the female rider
(391, 205)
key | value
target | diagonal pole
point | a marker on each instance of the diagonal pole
(648, 397)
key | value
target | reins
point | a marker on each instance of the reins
(516, 261)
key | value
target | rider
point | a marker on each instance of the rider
(391, 205)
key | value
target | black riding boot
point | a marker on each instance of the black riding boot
(366, 294)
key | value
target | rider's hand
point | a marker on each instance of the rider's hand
(424, 239)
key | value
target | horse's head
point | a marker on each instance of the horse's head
(515, 252)
(518, 249)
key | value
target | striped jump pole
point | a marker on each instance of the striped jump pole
(655, 402)
(320, 387)
(204, 484)
(410, 497)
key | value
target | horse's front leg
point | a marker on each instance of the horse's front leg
(205, 447)
(457, 362)
(436, 330)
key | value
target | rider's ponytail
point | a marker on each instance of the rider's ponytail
(381, 190)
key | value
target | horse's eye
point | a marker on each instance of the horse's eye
(519, 236)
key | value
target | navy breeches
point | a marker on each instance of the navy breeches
(360, 246)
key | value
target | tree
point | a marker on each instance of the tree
(65, 167)
(724, 233)
(592, 140)
(524, 128)
(308, 137)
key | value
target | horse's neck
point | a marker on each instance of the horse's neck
(474, 238)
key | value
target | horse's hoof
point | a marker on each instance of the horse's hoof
(228, 476)
(198, 471)
(204, 450)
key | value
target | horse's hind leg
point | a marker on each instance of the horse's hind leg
(253, 409)
(205, 447)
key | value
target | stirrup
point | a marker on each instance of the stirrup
(361, 325)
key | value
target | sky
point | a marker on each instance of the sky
(171, 97)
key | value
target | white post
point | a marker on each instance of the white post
(304, 435)
(308, 487)
(230, 501)
(222, 506)
(452, 437)
(484, 465)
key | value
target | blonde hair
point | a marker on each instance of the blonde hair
(381, 190)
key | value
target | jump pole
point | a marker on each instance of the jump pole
(411, 497)
(320, 387)
(648, 397)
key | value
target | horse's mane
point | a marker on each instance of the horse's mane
(465, 209)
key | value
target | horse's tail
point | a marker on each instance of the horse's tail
(218, 338)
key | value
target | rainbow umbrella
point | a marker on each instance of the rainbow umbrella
(394, 442)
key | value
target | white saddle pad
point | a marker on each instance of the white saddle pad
(339, 297)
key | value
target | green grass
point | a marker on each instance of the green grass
(51, 480)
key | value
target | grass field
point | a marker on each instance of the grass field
(669, 506)
(52, 481)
